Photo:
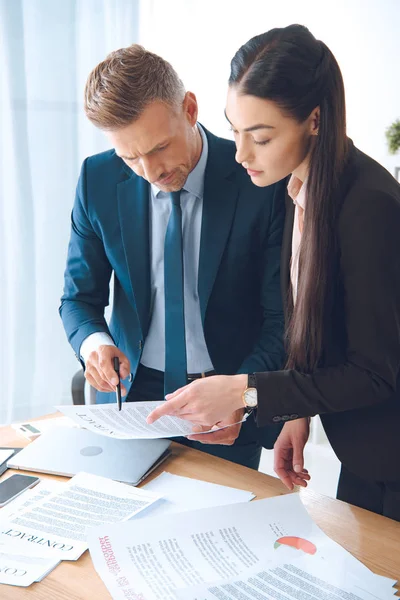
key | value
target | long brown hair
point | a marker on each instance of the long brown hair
(296, 71)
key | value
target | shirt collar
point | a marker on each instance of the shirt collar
(194, 184)
(297, 190)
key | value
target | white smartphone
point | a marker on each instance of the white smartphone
(14, 486)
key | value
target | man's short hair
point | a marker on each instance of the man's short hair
(125, 83)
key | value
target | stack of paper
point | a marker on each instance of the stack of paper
(265, 549)
(57, 523)
(49, 523)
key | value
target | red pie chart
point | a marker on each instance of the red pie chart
(297, 543)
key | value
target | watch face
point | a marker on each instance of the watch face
(250, 397)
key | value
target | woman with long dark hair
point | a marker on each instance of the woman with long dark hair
(340, 274)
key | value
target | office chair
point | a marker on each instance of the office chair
(81, 391)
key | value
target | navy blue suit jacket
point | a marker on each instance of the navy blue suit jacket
(238, 282)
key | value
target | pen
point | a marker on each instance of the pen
(118, 388)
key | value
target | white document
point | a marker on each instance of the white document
(30, 497)
(130, 422)
(304, 578)
(57, 525)
(152, 558)
(5, 455)
(180, 494)
(22, 571)
(33, 429)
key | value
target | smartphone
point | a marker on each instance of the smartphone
(14, 486)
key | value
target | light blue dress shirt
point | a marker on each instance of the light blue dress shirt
(198, 359)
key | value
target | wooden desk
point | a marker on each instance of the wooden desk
(372, 539)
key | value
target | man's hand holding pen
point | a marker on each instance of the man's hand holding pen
(100, 371)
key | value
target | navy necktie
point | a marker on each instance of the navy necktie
(175, 342)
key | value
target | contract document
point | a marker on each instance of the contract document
(154, 558)
(57, 524)
(129, 423)
(30, 497)
(22, 571)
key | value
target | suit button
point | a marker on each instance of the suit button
(294, 416)
(276, 419)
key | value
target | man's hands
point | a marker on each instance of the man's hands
(100, 371)
(288, 453)
(225, 437)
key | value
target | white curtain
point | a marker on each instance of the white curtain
(47, 49)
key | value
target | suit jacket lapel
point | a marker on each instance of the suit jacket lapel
(219, 204)
(133, 207)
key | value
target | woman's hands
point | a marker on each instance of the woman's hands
(204, 401)
(288, 453)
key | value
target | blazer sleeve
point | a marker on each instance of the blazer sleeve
(369, 238)
(87, 275)
(268, 353)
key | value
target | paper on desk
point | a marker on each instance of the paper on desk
(205, 545)
(22, 571)
(181, 494)
(130, 422)
(30, 497)
(304, 578)
(57, 525)
(5, 455)
(43, 425)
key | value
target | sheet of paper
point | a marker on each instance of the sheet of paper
(304, 578)
(5, 455)
(129, 423)
(57, 525)
(44, 424)
(22, 571)
(30, 497)
(181, 494)
(202, 546)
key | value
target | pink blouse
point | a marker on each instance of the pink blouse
(297, 190)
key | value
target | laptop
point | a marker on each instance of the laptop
(68, 450)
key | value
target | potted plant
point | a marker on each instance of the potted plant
(393, 140)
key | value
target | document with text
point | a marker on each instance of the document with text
(129, 423)
(44, 488)
(57, 525)
(152, 558)
(304, 579)
(22, 571)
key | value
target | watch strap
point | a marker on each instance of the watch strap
(252, 380)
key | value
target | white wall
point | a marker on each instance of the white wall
(199, 37)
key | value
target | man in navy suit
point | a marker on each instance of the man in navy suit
(193, 245)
